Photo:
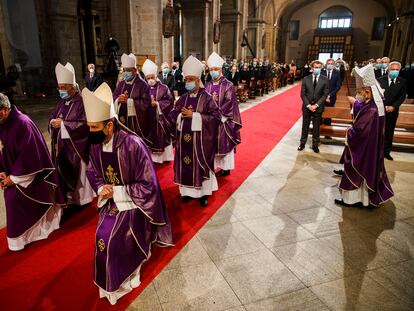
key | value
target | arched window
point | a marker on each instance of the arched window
(336, 17)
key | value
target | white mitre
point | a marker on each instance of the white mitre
(128, 61)
(365, 77)
(65, 74)
(99, 104)
(149, 68)
(215, 60)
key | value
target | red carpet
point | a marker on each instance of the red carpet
(57, 273)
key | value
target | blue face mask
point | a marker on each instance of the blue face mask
(127, 75)
(317, 72)
(329, 67)
(412, 66)
(166, 70)
(214, 74)
(189, 86)
(64, 94)
(407, 66)
(394, 74)
(378, 66)
(384, 66)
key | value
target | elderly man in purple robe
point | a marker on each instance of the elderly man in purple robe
(223, 94)
(28, 179)
(132, 213)
(132, 98)
(160, 127)
(365, 180)
(70, 147)
(197, 117)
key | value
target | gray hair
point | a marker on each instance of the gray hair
(395, 63)
(4, 101)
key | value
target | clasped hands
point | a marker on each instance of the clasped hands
(56, 123)
(389, 108)
(313, 107)
(122, 98)
(187, 112)
(107, 192)
(5, 181)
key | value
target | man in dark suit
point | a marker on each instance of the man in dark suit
(334, 78)
(383, 71)
(395, 92)
(92, 79)
(166, 77)
(233, 75)
(315, 90)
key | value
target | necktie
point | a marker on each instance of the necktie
(329, 75)
(314, 83)
(392, 83)
(165, 77)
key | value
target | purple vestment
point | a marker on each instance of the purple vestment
(23, 151)
(136, 117)
(363, 157)
(195, 150)
(229, 130)
(160, 130)
(124, 238)
(67, 154)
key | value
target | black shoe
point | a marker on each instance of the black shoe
(328, 137)
(341, 202)
(388, 157)
(338, 172)
(203, 201)
(315, 149)
(301, 147)
(222, 173)
(186, 199)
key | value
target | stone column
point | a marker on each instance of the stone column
(206, 30)
(215, 17)
(244, 26)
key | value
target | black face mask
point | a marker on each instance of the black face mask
(97, 137)
(174, 67)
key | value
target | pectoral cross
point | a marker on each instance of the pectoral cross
(215, 96)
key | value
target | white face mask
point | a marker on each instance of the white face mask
(91, 70)
(360, 98)
(151, 82)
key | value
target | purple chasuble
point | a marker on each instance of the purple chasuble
(23, 151)
(124, 238)
(67, 154)
(363, 157)
(195, 150)
(138, 119)
(226, 99)
(161, 130)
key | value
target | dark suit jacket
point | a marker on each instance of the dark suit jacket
(396, 95)
(179, 82)
(170, 82)
(235, 79)
(334, 84)
(314, 96)
(92, 84)
(378, 73)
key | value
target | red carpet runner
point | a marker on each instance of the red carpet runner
(57, 273)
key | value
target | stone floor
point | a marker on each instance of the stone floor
(280, 243)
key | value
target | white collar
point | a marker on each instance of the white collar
(108, 146)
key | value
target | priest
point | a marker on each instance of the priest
(132, 213)
(160, 128)
(132, 98)
(196, 116)
(223, 94)
(28, 179)
(365, 180)
(70, 148)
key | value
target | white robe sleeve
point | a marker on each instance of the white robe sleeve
(122, 199)
(24, 180)
(159, 109)
(196, 122)
(131, 108)
(63, 131)
(116, 106)
(101, 202)
(180, 122)
(224, 119)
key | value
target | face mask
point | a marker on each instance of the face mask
(407, 66)
(91, 70)
(360, 98)
(97, 137)
(329, 67)
(152, 82)
(189, 86)
(174, 67)
(306, 66)
(214, 74)
(378, 66)
(384, 66)
(165, 70)
(260, 64)
(127, 75)
(64, 94)
(412, 66)
(394, 74)
(317, 72)
(254, 63)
